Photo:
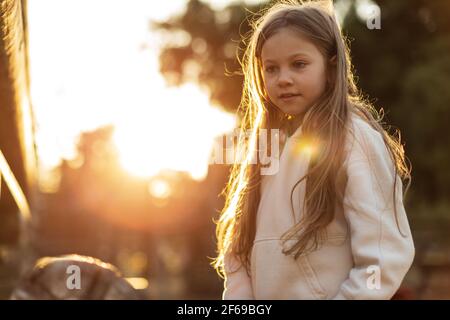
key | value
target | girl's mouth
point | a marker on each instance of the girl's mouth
(288, 97)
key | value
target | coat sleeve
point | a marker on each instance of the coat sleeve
(381, 242)
(238, 284)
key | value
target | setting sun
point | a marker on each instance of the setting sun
(90, 74)
(176, 133)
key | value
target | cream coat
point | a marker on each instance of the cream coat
(365, 257)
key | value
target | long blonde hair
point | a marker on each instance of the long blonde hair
(327, 120)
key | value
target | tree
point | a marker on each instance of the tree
(406, 66)
(210, 56)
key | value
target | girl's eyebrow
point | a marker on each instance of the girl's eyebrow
(304, 54)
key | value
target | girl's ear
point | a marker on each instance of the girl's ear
(331, 69)
(333, 60)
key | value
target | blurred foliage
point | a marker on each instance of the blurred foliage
(405, 66)
(209, 57)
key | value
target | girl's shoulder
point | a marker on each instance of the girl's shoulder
(363, 141)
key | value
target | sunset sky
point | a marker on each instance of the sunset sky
(94, 63)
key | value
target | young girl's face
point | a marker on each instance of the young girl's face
(294, 71)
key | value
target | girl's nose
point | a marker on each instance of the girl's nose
(284, 79)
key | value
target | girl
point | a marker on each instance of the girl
(330, 224)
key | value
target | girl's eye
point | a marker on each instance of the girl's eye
(299, 64)
(270, 69)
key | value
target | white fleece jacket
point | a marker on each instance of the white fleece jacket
(365, 256)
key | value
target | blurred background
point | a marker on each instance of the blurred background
(109, 113)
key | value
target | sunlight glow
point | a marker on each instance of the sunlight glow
(90, 68)
(171, 135)
(306, 147)
(159, 188)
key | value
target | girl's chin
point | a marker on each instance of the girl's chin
(293, 111)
